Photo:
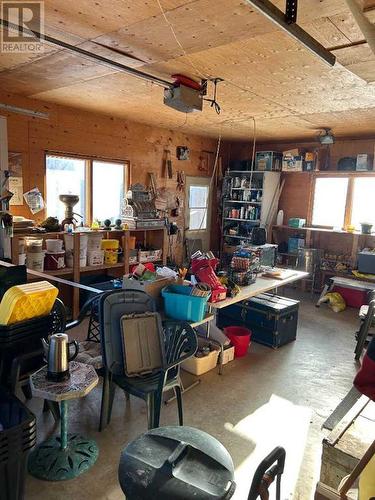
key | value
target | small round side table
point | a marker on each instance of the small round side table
(68, 455)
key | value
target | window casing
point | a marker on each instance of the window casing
(342, 201)
(198, 205)
(101, 185)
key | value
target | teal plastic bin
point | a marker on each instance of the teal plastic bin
(179, 304)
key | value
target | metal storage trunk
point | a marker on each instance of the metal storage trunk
(272, 319)
(366, 261)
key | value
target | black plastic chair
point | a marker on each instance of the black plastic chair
(138, 302)
(180, 343)
(271, 468)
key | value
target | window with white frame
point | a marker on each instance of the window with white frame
(100, 185)
(340, 201)
(198, 205)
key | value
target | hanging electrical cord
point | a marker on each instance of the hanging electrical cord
(254, 144)
(214, 104)
(196, 69)
(213, 176)
(226, 81)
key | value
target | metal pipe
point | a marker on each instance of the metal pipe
(268, 9)
(89, 55)
(23, 111)
(64, 425)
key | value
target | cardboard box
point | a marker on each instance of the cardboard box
(309, 162)
(363, 163)
(292, 163)
(293, 152)
(228, 355)
(296, 222)
(309, 156)
(152, 288)
(268, 160)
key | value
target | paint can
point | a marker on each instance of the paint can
(54, 260)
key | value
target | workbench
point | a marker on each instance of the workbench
(261, 285)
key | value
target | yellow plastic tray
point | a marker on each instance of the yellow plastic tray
(27, 301)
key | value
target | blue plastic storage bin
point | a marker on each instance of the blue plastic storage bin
(179, 304)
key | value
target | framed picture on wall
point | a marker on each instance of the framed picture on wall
(15, 179)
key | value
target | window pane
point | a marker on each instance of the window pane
(329, 202)
(198, 219)
(107, 190)
(198, 196)
(64, 176)
(363, 201)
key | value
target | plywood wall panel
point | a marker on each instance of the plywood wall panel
(295, 198)
(226, 38)
(76, 132)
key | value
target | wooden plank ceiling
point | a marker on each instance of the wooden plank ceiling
(266, 74)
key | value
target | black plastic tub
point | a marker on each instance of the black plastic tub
(17, 438)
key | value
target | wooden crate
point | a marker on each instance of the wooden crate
(347, 443)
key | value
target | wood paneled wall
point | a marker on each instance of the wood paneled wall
(296, 197)
(73, 131)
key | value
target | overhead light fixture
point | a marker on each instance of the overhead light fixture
(23, 111)
(287, 22)
(326, 137)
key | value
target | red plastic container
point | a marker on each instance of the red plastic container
(240, 338)
(353, 297)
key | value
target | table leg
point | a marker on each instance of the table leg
(63, 457)
(64, 425)
(218, 343)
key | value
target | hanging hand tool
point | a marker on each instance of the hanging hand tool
(169, 164)
(180, 180)
(152, 184)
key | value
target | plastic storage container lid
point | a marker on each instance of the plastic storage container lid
(172, 463)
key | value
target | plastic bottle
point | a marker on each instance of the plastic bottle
(280, 218)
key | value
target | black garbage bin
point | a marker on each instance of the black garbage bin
(172, 463)
(17, 438)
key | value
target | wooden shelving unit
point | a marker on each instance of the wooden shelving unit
(354, 242)
(157, 237)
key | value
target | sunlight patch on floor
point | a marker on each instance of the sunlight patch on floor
(277, 423)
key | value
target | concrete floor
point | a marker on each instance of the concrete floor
(266, 399)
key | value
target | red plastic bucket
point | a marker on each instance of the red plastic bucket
(240, 338)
